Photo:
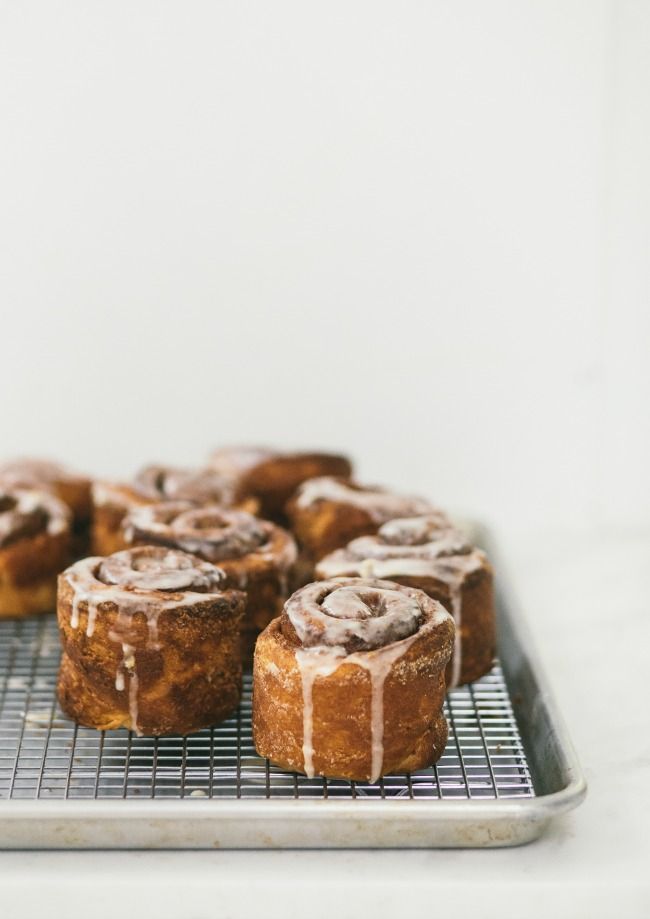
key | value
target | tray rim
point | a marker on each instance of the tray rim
(90, 823)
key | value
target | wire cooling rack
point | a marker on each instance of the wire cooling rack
(45, 755)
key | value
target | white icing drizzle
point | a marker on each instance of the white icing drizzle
(353, 616)
(28, 512)
(413, 547)
(128, 667)
(332, 617)
(379, 664)
(312, 663)
(380, 505)
(215, 534)
(210, 532)
(168, 483)
(144, 580)
(165, 483)
(92, 616)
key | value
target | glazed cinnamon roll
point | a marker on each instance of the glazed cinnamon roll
(273, 476)
(35, 541)
(67, 486)
(416, 552)
(349, 681)
(150, 642)
(112, 501)
(257, 556)
(326, 513)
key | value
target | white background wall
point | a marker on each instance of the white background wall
(419, 231)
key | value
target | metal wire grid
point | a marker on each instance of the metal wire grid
(45, 755)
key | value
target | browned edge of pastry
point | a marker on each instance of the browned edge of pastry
(159, 660)
(352, 714)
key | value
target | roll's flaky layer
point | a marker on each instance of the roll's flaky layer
(150, 642)
(153, 484)
(35, 541)
(417, 552)
(326, 513)
(272, 476)
(349, 681)
(256, 556)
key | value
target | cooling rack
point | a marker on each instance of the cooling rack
(507, 769)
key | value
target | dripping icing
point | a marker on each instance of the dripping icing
(128, 603)
(323, 662)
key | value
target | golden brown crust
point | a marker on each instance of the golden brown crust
(274, 476)
(33, 555)
(343, 725)
(111, 503)
(118, 671)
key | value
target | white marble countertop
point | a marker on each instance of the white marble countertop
(586, 601)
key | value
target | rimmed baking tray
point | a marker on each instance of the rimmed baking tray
(508, 769)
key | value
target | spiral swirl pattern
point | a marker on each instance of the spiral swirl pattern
(353, 614)
(211, 532)
(198, 485)
(156, 568)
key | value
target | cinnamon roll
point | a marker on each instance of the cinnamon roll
(256, 556)
(34, 546)
(112, 501)
(349, 681)
(326, 513)
(416, 552)
(67, 486)
(273, 476)
(150, 642)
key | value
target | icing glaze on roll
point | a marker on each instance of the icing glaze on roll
(145, 580)
(26, 512)
(170, 483)
(211, 532)
(149, 568)
(380, 505)
(412, 547)
(354, 618)
(370, 623)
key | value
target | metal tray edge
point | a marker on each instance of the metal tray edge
(251, 824)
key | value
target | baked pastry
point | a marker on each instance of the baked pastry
(112, 501)
(273, 476)
(150, 642)
(326, 512)
(34, 546)
(256, 555)
(69, 487)
(349, 681)
(416, 552)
